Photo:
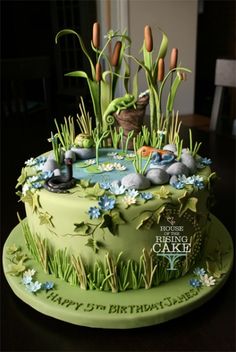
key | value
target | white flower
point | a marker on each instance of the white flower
(33, 179)
(30, 162)
(208, 280)
(112, 154)
(117, 190)
(118, 157)
(129, 200)
(39, 167)
(106, 167)
(29, 273)
(132, 193)
(119, 167)
(25, 188)
(90, 162)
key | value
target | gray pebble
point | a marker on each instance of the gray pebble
(170, 147)
(178, 168)
(136, 181)
(157, 176)
(84, 153)
(189, 161)
(173, 180)
(50, 165)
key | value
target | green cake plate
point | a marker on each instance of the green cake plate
(123, 310)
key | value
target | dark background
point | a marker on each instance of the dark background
(28, 29)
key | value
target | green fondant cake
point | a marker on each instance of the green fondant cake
(103, 235)
(123, 206)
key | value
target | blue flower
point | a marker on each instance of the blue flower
(33, 286)
(33, 179)
(199, 271)
(199, 184)
(47, 285)
(205, 161)
(132, 193)
(40, 159)
(146, 195)
(104, 185)
(37, 185)
(94, 212)
(26, 280)
(195, 283)
(106, 203)
(178, 185)
(46, 175)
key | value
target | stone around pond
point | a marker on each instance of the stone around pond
(157, 176)
(188, 160)
(178, 168)
(84, 153)
(170, 147)
(50, 165)
(136, 181)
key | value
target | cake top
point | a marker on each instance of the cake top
(143, 152)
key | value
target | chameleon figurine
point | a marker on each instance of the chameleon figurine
(115, 106)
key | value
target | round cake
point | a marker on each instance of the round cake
(105, 226)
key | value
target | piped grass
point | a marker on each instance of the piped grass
(80, 271)
(114, 274)
(193, 149)
(138, 162)
(66, 132)
(148, 268)
(174, 127)
(84, 120)
(37, 246)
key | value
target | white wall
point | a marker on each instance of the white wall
(178, 18)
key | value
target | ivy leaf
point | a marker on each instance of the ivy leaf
(92, 243)
(28, 198)
(45, 219)
(146, 222)
(16, 269)
(20, 257)
(190, 204)
(35, 204)
(163, 193)
(84, 183)
(112, 221)
(95, 191)
(12, 249)
(82, 228)
(21, 179)
(159, 212)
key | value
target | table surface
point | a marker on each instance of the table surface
(208, 328)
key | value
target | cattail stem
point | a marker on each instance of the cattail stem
(116, 54)
(96, 35)
(148, 38)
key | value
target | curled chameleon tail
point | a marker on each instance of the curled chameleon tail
(116, 105)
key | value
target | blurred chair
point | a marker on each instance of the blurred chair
(225, 76)
(26, 85)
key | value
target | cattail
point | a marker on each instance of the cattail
(96, 35)
(173, 58)
(116, 53)
(148, 38)
(161, 70)
(98, 72)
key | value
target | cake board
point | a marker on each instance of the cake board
(123, 310)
